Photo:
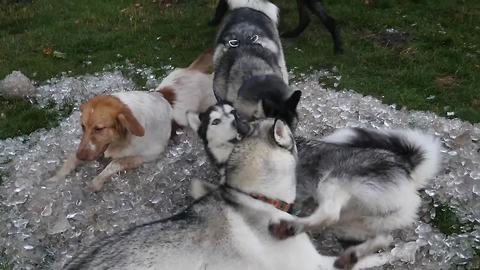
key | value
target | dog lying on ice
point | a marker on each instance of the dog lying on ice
(134, 127)
(366, 183)
(250, 69)
(226, 228)
(315, 6)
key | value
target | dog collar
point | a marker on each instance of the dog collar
(279, 204)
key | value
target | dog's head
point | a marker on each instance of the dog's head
(219, 127)
(264, 161)
(268, 96)
(105, 121)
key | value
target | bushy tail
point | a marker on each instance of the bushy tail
(204, 61)
(420, 150)
(260, 5)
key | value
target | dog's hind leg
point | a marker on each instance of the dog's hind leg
(317, 8)
(115, 166)
(353, 254)
(332, 198)
(303, 21)
(220, 11)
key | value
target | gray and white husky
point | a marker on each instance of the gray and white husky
(365, 182)
(227, 228)
(250, 69)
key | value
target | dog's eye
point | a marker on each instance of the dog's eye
(216, 122)
(99, 129)
(83, 127)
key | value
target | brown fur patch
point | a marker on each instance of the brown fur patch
(169, 94)
(204, 62)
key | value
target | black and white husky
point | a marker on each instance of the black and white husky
(219, 128)
(365, 182)
(227, 228)
(250, 69)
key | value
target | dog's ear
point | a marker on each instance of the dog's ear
(200, 188)
(193, 120)
(292, 101)
(282, 134)
(131, 123)
(82, 107)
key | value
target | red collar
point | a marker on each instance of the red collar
(279, 204)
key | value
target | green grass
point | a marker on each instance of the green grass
(443, 39)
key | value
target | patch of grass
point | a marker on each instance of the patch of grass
(19, 117)
(437, 55)
(448, 223)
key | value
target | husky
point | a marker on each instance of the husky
(365, 183)
(226, 228)
(219, 128)
(250, 69)
(315, 6)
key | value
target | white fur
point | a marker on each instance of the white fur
(431, 147)
(193, 90)
(153, 112)
(261, 5)
(339, 136)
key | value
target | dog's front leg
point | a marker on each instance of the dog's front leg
(68, 166)
(333, 199)
(117, 165)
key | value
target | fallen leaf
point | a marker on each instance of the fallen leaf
(58, 54)
(47, 51)
(448, 81)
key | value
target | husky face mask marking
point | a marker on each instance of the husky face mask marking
(219, 128)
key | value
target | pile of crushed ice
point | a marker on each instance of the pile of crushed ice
(46, 222)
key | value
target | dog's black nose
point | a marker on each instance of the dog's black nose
(242, 127)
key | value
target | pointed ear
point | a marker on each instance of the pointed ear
(129, 121)
(282, 134)
(193, 120)
(293, 100)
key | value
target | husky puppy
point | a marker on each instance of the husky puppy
(226, 228)
(219, 128)
(366, 184)
(250, 69)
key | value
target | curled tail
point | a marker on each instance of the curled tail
(420, 150)
(264, 6)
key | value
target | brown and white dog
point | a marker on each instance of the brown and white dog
(134, 127)
(129, 127)
(189, 89)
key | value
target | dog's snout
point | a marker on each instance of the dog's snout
(242, 126)
(82, 154)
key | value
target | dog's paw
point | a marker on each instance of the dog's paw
(284, 229)
(95, 186)
(347, 259)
